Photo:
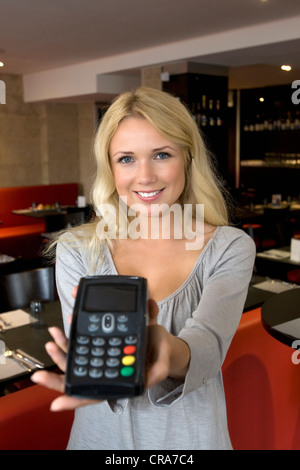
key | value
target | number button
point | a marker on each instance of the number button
(97, 351)
(98, 341)
(122, 318)
(83, 339)
(111, 373)
(95, 373)
(80, 371)
(93, 327)
(131, 339)
(96, 362)
(114, 352)
(112, 362)
(81, 360)
(82, 349)
(114, 341)
(94, 318)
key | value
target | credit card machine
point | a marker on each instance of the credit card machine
(107, 347)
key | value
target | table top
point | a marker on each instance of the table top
(280, 316)
(38, 213)
(278, 255)
(32, 339)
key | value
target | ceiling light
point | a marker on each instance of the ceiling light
(1, 64)
(286, 68)
(261, 99)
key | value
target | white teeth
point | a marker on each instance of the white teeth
(148, 194)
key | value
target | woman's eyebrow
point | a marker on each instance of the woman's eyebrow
(122, 152)
(129, 152)
(160, 149)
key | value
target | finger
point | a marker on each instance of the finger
(50, 380)
(64, 402)
(74, 291)
(159, 370)
(59, 338)
(57, 355)
(153, 311)
(156, 373)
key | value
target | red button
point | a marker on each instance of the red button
(129, 349)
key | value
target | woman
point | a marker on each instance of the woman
(151, 158)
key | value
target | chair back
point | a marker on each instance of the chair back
(277, 225)
(18, 289)
(60, 221)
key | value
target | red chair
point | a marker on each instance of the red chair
(294, 276)
(262, 389)
(26, 422)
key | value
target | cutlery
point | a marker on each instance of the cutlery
(12, 355)
(29, 359)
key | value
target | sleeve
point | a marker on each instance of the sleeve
(210, 329)
(69, 269)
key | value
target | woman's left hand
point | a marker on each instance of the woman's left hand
(167, 355)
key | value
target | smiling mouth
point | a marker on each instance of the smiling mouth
(148, 194)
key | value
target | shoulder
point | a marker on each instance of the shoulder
(80, 246)
(231, 241)
(229, 235)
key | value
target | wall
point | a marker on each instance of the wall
(44, 142)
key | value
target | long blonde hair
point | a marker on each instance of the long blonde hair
(173, 120)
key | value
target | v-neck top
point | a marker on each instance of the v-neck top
(204, 312)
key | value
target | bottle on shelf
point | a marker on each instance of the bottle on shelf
(203, 114)
(219, 120)
(198, 114)
(211, 116)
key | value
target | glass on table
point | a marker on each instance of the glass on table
(37, 313)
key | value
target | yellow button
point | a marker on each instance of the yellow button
(128, 360)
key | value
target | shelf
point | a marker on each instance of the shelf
(293, 163)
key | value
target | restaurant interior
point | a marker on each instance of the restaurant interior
(236, 66)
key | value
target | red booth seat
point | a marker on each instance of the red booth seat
(19, 234)
(26, 422)
(262, 389)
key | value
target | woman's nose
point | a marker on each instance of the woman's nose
(145, 173)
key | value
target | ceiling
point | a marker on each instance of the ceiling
(39, 35)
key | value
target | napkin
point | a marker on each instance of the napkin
(274, 286)
(15, 318)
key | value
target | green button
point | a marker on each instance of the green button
(127, 371)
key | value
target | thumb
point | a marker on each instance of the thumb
(74, 291)
(153, 311)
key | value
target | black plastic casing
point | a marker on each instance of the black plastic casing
(99, 295)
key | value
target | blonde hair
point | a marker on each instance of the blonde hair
(173, 120)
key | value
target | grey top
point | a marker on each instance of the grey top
(205, 312)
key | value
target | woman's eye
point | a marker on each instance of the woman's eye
(125, 159)
(163, 155)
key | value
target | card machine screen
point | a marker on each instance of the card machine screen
(108, 298)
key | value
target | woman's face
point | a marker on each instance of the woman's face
(147, 167)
